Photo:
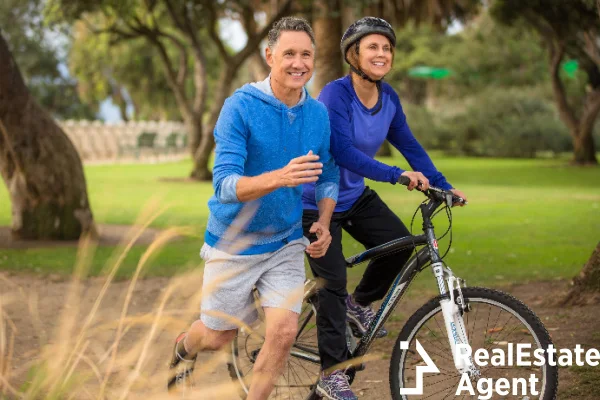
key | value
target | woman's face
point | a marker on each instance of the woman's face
(375, 55)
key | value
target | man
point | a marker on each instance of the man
(271, 137)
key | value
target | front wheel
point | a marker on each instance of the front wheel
(496, 322)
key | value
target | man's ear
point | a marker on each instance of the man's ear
(269, 56)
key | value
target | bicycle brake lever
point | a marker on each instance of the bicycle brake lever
(449, 198)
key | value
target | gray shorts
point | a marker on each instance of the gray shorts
(227, 298)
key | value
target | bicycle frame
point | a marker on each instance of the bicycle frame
(446, 282)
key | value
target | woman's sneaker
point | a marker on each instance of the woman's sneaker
(335, 386)
(361, 317)
(180, 367)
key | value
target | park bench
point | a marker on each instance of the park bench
(146, 140)
(174, 144)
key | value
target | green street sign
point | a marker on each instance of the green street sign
(429, 72)
(570, 67)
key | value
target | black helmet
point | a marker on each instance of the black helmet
(361, 28)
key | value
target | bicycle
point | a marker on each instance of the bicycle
(440, 326)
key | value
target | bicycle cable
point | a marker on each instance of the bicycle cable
(449, 230)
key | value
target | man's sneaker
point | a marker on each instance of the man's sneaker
(361, 317)
(180, 367)
(335, 386)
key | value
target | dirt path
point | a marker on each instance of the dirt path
(41, 310)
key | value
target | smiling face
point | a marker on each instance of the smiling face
(375, 56)
(291, 60)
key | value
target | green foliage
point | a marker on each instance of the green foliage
(39, 50)
(566, 18)
(559, 23)
(498, 101)
(506, 123)
(487, 54)
(135, 68)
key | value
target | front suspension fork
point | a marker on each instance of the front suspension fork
(453, 308)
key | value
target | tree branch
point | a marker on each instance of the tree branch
(557, 51)
(178, 89)
(171, 10)
(183, 55)
(254, 38)
(591, 108)
(212, 32)
(200, 79)
(591, 48)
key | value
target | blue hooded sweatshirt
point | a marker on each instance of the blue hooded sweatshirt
(257, 133)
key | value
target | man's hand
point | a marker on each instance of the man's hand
(303, 169)
(416, 177)
(458, 193)
(318, 248)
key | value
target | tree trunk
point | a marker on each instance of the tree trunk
(39, 165)
(259, 69)
(588, 280)
(327, 25)
(584, 152)
(200, 169)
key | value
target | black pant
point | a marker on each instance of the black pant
(370, 222)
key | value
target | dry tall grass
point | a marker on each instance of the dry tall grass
(101, 348)
(93, 354)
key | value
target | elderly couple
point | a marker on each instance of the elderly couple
(300, 165)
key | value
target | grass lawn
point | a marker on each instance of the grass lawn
(526, 219)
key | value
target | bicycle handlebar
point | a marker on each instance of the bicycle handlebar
(441, 193)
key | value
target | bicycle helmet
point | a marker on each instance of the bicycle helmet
(361, 28)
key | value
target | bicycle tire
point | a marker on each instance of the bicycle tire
(417, 327)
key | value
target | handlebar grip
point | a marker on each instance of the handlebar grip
(404, 180)
(459, 200)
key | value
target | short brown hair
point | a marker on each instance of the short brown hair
(289, 24)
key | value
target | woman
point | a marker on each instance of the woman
(363, 112)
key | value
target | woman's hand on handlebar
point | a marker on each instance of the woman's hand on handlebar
(460, 194)
(416, 179)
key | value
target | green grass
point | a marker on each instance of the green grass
(526, 219)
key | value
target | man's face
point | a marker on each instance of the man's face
(291, 60)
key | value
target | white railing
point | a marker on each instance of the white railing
(97, 141)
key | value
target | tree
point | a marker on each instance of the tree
(327, 25)
(134, 76)
(39, 53)
(39, 164)
(568, 28)
(176, 26)
(588, 280)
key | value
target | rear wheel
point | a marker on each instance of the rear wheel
(494, 321)
(302, 369)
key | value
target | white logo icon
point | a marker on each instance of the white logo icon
(421, 369)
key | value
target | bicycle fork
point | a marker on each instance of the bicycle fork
(453, 308)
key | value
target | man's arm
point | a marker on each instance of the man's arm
(231, 153)
(299, 170)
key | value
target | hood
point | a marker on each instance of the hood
(262, 90)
